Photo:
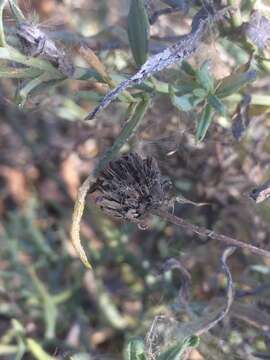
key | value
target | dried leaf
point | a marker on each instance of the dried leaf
(182, 200)
(261, 193)
(185, 289)
(258, 29)
(36, 42)
(164, 330)
(241, 118)
(92, 59)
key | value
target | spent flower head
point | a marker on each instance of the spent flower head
(130, 187)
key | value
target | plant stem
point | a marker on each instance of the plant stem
(226, 240)
(236, 17)
(137, 112)
(2, 33)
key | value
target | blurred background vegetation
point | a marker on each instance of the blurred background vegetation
(160, 279)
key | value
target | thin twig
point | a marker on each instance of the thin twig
(227, 252)
(253, 292)
(227, 240)
(229, 293)
(165, 11)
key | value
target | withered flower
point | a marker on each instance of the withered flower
(130, 187)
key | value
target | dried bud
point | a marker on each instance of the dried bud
(130, 187)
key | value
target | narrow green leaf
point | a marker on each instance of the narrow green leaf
(20, 337)
(135, 118)
(233, 83)
(37, 351)
(138, 31)
(135, 350)
(89, 95)
(30, 86)
(205, 77)
(217, 104)
(205, 121)
(9, 53)
(16, 12)
(175, 352)
(49, 308)
(188, 68)
(18, 73)
(2, 33)
(8, 349)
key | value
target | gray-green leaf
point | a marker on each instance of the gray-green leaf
(204, 122)
(217, 104)
(185, 102)
(138, 31)
(205, 77)
(233, 83)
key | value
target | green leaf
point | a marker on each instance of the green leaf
(138, 31)
(217, 104)
(200, 93)
(20, 338)
(175, 352)
(49, 308)
(185, 102)
(205, 77)
(135, 350)
(11, 54)
(188, 68)
(204, 122)
(233, 83)
(136, 113)
(30, 86)
(37, 351)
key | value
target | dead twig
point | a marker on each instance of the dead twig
(226, 240)
(184, 48)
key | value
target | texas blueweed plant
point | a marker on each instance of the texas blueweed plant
(132, 187)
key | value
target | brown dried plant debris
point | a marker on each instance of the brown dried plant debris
(261, 193)
(36, 42)
(258, 29)
(130, 187)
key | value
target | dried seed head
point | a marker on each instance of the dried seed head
(130, 187)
